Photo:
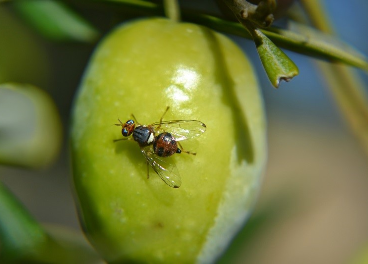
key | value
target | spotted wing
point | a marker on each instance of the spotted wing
(180, 129)
(168, 172)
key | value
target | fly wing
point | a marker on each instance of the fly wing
(180, 129)
(168, 172)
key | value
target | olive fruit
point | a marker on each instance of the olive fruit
(141, 68)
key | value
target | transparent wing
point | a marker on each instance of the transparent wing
(167, 171)
(180, 129)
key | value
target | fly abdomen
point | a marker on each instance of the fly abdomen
(165, 145)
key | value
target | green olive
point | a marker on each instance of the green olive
(141, 68)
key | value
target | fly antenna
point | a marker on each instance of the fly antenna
(121, 123)
(135, 119)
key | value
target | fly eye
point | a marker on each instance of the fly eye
(130, 122)
(125, 132)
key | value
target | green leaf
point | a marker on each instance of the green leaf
(23, 240)
(69, 246)
(30, 127)
(278, 66)
(56, 21)
(20, 235)
(21, 56)
(311, 45)
(310, 41)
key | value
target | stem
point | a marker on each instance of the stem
(282, 38)
(172, 10)
(343, 82)
(276, 63)
(259, 15)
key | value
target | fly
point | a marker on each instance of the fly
(162, 139)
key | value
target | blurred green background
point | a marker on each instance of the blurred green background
(313, 204)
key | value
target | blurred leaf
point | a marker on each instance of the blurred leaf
(346, 86)
(23, 240)
(277, 208)
(56, 21)
(278, 66)
(361, 257)
(70, 246)
(19, 233)
(245, 236)
(30, 127)
(21, 56)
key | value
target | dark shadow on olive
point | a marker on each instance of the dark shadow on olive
(131, 150)
(245, 149)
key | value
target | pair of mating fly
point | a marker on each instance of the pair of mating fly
(161, 139)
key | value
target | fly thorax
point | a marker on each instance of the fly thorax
(143, 135)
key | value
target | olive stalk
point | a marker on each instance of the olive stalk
(260, 15)
(278, 66)
(172, 10)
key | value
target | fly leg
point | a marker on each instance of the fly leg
(185, 151)
(115, 140)
(162, 117)
(147, 170)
